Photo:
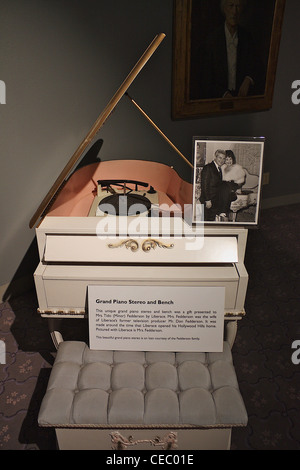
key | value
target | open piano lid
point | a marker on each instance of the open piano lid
(97, 125)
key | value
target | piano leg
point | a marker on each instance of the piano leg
(54, 326)
(231, 330)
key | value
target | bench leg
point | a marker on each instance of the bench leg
(54, 327)
(231, 330)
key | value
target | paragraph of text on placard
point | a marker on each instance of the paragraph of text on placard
(153, 318)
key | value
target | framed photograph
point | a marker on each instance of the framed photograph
(227, 179)
(224, 56)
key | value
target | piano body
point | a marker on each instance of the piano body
(81, 243)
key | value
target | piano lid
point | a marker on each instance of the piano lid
(96, 126)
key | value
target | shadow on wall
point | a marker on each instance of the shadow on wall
(23, 279)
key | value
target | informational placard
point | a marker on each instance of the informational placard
(156, 318)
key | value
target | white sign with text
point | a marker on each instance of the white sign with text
(156, 318)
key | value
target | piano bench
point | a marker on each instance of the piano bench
(125, 399)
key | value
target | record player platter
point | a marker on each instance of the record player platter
(128, 204)
(124, 198)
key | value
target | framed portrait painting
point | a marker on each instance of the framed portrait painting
(227, 180)
(225, 56)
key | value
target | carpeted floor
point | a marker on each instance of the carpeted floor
(268, 378)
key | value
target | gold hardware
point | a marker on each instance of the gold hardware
(151, 243)
(129, 244)
(147, 245)
(121, 443)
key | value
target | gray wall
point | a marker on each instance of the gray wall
(62, 60)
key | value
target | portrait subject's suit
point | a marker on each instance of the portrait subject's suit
(213, 68)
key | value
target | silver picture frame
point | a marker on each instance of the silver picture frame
(231, 196)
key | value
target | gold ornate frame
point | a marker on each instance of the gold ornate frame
(184, 104)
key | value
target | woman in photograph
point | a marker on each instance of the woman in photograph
(233, 178)
(232, 171)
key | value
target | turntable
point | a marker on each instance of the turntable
(124, 198)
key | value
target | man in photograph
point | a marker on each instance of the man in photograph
(211, 182)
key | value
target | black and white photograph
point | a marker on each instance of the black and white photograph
(227, 180)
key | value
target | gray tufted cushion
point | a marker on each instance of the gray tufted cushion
(141, 388)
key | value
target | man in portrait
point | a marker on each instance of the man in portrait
(228, 62)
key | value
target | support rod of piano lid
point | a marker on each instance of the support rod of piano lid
(159, 130)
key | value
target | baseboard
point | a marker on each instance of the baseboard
(280, 201)
(16, 287)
